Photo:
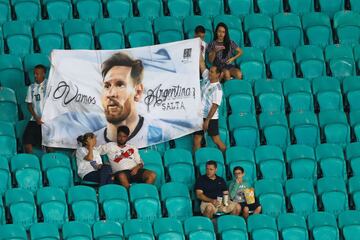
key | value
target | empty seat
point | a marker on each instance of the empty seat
(331, 160)
(262, 226)
(185, 142)
(340, 60)
(355, 5)
(149, 8)
(78, 34)
(48, 35)
(138, 229)
(298, 94)
(234, 26)
(289, 31)
(354, 191)
(238, 156)
(271, 162)
(119, 9)
(280, 62)
(60, 10)
(353, 157)
(347, 27)
(271, 197)
(323, 225)
(211, 8)
(252, 64)
(76, 230)
(231, 227)
(27, 10)
(203, 155)
(301, 7)
(7, 141)
(244, 130)
(180, 8)
(5, 11)
(240, 96)
(107, 229)
(270, 7)
(328, 94)
(291, 226)
(5, 177)
(259, 31)
(317, 29)
(168, 228)
(335, 127)
(8, 104)
(44, 231)
(109, 34)
(18, 38)
(240, 8)
(349, 223)
(13, 231)
(88, 10)
(270, 96)
(302, 161)
(305, 128)
(152, 161)
(32, 60)
(168, 29)
(331, 7)
(355, 121)
(351, 89)
(199, 228)
(191, 22)
(311, 62)
(138, 31)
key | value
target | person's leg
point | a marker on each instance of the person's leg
(257, 210)
(236, 209)
(245, 212)
(123, 179)
(93, 176)
(148, 176)
(28, 148)
(197, 142)
(208, 209)
(105, 175)
(236, 73)
(217, 140)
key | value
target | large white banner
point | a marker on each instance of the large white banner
(97, 91)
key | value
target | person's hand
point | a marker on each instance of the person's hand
(134, 170)
(230, 60)
(39, 121)
(91, 142)
(218, 48)
(206, 124)
(215, 202)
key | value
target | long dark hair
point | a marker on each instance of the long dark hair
(226, 38)
(83, 138)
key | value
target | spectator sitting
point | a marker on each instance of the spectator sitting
(89, 163)
(200, 33)
(242, 193)
(212, 192)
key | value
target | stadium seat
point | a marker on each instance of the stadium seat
(244, 129)
(270, 96)
(275, 129)
(107, 230)
(270, 7)
(150, 9)
(160, 148)
(297, 92)
(301, 7)
(234, 26)
(259, 31)
(333, 195)
(262, 226)
(305, 128)
(18, 38)
(355, 5)
(292, 226)
(27, 10)
(280, 62)
(109, 34)
(5, 11)
(119, 9)
(331, 160)
(211, 8)
(322, 225)
(31, 60)
(328, 94)
(349, 224)
(252, 64)
(115, 203)
(231, 227)
(146, 201)
(271, 197)
(5, 176)
(152, 161)
(353, 157)
(39, 231)
(76, 230)
(238, 156)
(347, 27)
(351, 89)
(331, 7)
(27, 172)
(138, 31)
(78, 34)
(88, 10)
(335, 127)
(7, 141)
(301, 195)
(180, 8)
(48, 35)
(83, 203)
(203, 155)
(2, 213)
(168, 229)
(302, 161)
(240, 96)
(271, 163)
(60, 10)
(8, 104)
(287, 27)
(224, 136)
(138, 229)
(340, 60)
(185, 142)
(191, 22)
(180, 166)
(168, 29)
(355, 121)
(354, 192)
(240, 8)
(311, 62)
(12, 231)
(21, 205)
(177, 201)
(199, 228)
(317, 29)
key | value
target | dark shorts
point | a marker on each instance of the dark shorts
(138, 177)
(251, 207)
(32, 134)
(213, 129)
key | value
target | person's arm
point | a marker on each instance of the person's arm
(202, 64)
(90, 147)
(202, 197)
(212, 111)
(239, 52)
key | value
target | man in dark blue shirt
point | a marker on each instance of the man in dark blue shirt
(211, 190)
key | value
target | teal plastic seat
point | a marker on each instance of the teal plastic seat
(180, 8)
(302, 161)
(331, 7)
(311, 62)
(240, 96)
(349, 223)
(333, 195)
(119, 9)
(271, 162)
(150, 9)
(26, 168)
(354, 191)
(199, 228)
(238, 156)
(259, 30)
(180, 166)
(146, 201)
(115, 202)
(168, 29)
(138, 229)
(5, 11)
(78, 34)
(60, 10)
(270, 96)
(347, 27)
(331, 160)
(232, 227)
(275, 129)
(292, 226)
(234, 26)
(191, 22)
(205, 154)
(281, 63)
(301, 195)
(340, 60)
(27, 10)
(262, 226)
(328, 94)
(107, 230)
(109, 34)
(224, 136)
(355, 121)
(40, 231)
(270, 7)
(168, 229)
(48, 35)
(12, 231)
(21, 205)
(240, 8)
(160, 148)
(88, 10)
(322, 225)
(138, 31)
(252, 64)
(297, 92)
(301, 7)
(211, 8)
(53, 206)
(185, 142)
(83, 203)
(76, 230)
(7, 141)
(5, 177)
(177, 201)
(351, 89)
(289, 31)
(335, 127)
(355, 5)
(18, 38)
(152, 161)
(31, 60)
(305, 128)
(317, 29)
(271, 197)
(353, 157)
(244, 130)
(8, 104)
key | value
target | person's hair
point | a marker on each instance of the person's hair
(218, 68)
(83, 138)
(238, 168)
(199, 29)
(226, 38)
(122, 59)
(211, 162)
(40, 66)
(123, 129)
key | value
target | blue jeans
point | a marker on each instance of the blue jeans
(101, 176)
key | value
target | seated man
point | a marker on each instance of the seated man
(211, 191)
(241, 192)
(125, 160)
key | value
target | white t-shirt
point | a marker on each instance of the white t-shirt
(121, 158)
(36, 95)
(210, 93)
(84, 166)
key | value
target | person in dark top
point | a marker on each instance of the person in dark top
(211, 190)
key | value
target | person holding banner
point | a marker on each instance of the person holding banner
(221, 51)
